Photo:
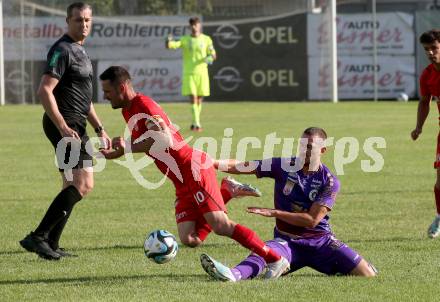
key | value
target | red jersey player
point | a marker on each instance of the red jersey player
(200, 205)
(430, 90)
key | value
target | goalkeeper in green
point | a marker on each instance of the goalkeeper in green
(198, 53)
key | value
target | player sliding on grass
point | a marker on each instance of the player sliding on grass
(200, 203)
(430, 90)
(305, 191)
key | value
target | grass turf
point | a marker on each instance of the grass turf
(384, 215)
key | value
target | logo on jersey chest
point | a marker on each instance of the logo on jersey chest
(316, 183)
(312, 194)
(292, 180)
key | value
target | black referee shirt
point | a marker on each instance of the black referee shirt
(69, 63)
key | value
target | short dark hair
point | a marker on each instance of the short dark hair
(430, 36)
(311, 131)
(116, 75)
(78, 5)
(194, 20)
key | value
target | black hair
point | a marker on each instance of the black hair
(311, 131)
(430, 36)
(116, 75)
(194, 20)
(78, 5)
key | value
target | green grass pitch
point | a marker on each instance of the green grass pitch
(383, 215)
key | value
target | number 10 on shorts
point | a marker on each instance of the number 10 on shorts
(199, 196)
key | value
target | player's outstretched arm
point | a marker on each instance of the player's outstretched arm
(422, 114)
(170, 43)
(157, 139)
(308, 219)
(234, 166)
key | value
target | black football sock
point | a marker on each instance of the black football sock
(60, 208)
(57, 230)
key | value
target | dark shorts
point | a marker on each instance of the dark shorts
(326, 254)
(69, 155)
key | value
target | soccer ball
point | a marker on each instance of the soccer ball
(160, 246)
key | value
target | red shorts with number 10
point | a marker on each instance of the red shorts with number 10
(200, 192)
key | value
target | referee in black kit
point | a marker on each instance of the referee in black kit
(66, 92)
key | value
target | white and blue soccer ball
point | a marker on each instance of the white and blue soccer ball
(160, 246)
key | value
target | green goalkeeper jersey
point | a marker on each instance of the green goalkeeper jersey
(195, 50)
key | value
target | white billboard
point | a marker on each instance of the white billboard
(110, 38)
(394, 34)
(395, 75)
(159, 79)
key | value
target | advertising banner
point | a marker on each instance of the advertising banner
(394, 34)
(110, 38)
(159, 79)
(395, 75)
(260, 59)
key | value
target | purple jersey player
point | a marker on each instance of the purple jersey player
(303, 197)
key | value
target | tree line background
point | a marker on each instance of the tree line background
(127, 7)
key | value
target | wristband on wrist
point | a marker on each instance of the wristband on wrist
(99, 129)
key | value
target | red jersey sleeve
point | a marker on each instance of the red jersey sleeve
(424, 87)
(151, 108)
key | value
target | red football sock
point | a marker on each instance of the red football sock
(202, 229)
(226, 195)
(437, 199)
(247, 238)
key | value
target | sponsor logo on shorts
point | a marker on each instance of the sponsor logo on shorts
(280, 241)
(181, 215)
(335, 243)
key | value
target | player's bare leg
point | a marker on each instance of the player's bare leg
(82, 180)
(364, 269)
(220, 223)
(188, 234)
(434, 228)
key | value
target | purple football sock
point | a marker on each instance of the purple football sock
(249, 268)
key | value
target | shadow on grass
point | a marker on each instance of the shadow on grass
(183, 278)
(382, 192)
(135, 247)
(381, 240)
(176, 278)
(120, 247)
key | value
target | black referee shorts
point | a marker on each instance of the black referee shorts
(70, 153)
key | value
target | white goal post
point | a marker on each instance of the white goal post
(2, 61)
